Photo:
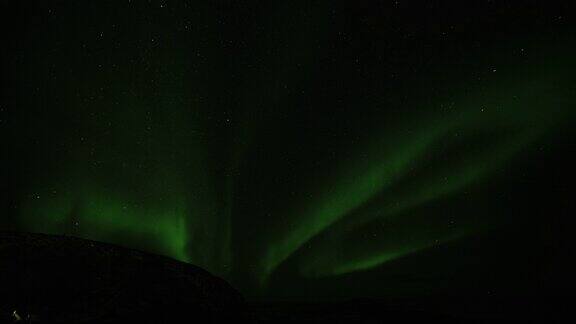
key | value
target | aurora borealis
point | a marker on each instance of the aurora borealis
(289, 147)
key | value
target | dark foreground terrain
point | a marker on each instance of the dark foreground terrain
(47, 278)
(60, 279)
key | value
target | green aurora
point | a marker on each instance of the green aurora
(165, 138)
(390, 177)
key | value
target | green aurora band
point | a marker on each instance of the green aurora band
(366, 191)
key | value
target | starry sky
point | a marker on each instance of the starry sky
(299, 149)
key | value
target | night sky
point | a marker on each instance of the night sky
(300, 149)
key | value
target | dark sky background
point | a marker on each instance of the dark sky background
(300, 149)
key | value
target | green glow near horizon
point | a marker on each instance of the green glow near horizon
(105, 219)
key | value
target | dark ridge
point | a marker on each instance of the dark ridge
(47, 278)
